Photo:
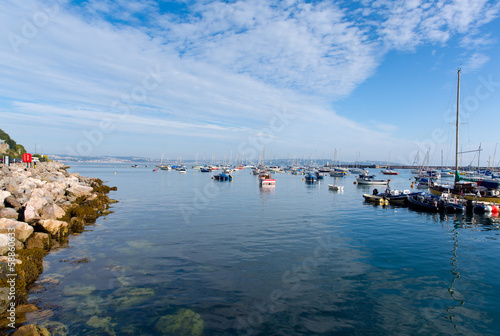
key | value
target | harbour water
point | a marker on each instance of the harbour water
(298, 259)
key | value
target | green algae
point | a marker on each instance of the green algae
(184, 323)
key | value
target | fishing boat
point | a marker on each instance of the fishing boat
(265, 180)
(478, 191)
(369, 180)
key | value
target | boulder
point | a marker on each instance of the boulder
(56, 228)
(38, 240)
(52, 211)
(31, 330)
(22, 230)
(31, 215)
(37, 202)
(27, 185)
(4, 241)
(9, 213)
(13, 202)
(19, 245)
(78, 190)
(3, 196)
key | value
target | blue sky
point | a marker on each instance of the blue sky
(226, 78)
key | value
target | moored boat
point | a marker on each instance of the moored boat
(335, 187)
(369, 180)
(310, 177)
(223, 177)
(390, 172)
(474, 191)
(424, 202)
(265, 180)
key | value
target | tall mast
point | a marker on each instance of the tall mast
(456, 126)
(479, 157)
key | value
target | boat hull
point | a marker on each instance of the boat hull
(472, 197)
(371, 182)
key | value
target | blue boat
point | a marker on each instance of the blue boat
(310, 177)
(223, 177)
(424, 202)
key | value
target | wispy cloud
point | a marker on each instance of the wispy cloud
(476, 61)
(224, 66)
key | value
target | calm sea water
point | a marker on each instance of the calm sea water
(298, 259)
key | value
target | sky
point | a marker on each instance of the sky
(367, 79)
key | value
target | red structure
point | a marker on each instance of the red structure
(27, 157)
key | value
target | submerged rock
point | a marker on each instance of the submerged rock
(56, 328)
(74, 290)
(31, 330)
(98, 322)
(184, 323)
(127, 297)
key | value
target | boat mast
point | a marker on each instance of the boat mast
(478, 158)
(456, 125)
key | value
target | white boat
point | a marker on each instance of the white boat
(358, 171)
(335, 187)
(369, 180)
(164, 167)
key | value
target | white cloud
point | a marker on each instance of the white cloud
(225, 69)
(475, 62)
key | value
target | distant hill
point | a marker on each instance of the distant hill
(15, 150)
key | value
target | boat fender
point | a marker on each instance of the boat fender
(494, 209)
(487, 208)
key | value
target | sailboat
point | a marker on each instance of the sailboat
(357, 169)
(485, 190)
(389, 171)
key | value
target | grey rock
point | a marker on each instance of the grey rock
(9, 213)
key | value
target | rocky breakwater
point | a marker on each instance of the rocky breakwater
(39, 208)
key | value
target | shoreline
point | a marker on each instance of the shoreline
(39, 208)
